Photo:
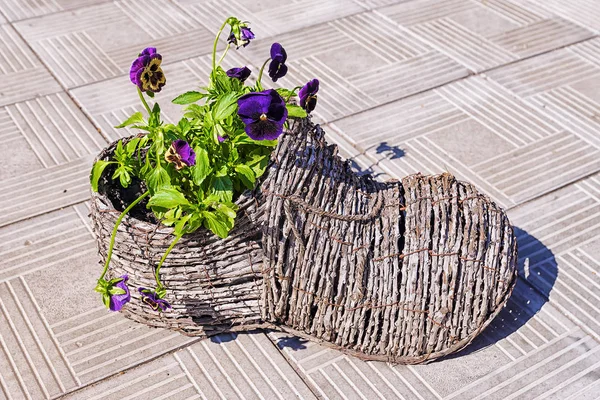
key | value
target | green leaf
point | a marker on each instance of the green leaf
(223, 188)
(168, 198)
(285, 93)
(188, 98)
(245, 139)
(227, 210)
(131, 146)
(116, 290)
(97, 170)
(154, 120)
(246, 175)
(136, 118)
(122, 172)
(157, 179)
(181, 225)
(218, 226)
(295, 111)
(225, 106)
(202, 168)
(106, 300)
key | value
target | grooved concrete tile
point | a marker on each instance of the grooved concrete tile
(36, 193)
(526, 345)
(16, 10)
(108, 111)
(270, 17)
(486, 34)
(567, 223)
(242, 366)
(582, 12)
(99, 42)
(540, 36)
(520, 133)
(47, 347)
(395, 102)
(359, 65)
(23, 75)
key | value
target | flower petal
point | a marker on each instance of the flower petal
(117, 301)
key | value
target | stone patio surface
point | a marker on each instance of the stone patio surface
(502, 93)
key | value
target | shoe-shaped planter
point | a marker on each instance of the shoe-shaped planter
(404, 271)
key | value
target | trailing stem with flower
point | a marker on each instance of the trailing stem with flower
(194, 171)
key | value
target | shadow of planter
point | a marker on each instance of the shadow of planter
(529, 296)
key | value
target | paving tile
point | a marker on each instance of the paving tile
(107, 111)
(564, 257)
(394, 101)
(359, 64)
(242, 366)
(16, 10)
(38, 192)
(486, 34)
(529, 338)
(24, 76)
(269, 17)
(582, 12)
(49, 349)
(99, 42)
(517, 132)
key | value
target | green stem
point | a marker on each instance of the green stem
(214, 53)
(224, 53)
(162, 260)
(260, 74)
(144, 101)
(292, 93)
(114, 232)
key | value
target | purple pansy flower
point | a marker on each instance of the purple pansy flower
(239, 73)
(263, 113)
(221, 139)
(277, 67)
(146, 73)
(244, 38)
(151, 298)
(181, 154)
(117, 301)
(308, 95)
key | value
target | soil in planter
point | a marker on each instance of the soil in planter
(121, 197)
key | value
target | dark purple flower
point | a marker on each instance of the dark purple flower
(244, 38)
(263, 113)
(308, 95)
(145, 71)
(239, 73)
(221, 139)
(117, 301)
(277, 67)
(181, 154)
(151, 298)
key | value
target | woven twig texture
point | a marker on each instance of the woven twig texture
(212, 284)
(403, 271)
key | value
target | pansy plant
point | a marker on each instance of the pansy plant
(196, 169)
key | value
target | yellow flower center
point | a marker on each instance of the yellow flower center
(263, 117)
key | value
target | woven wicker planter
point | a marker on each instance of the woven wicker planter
(404, 271)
